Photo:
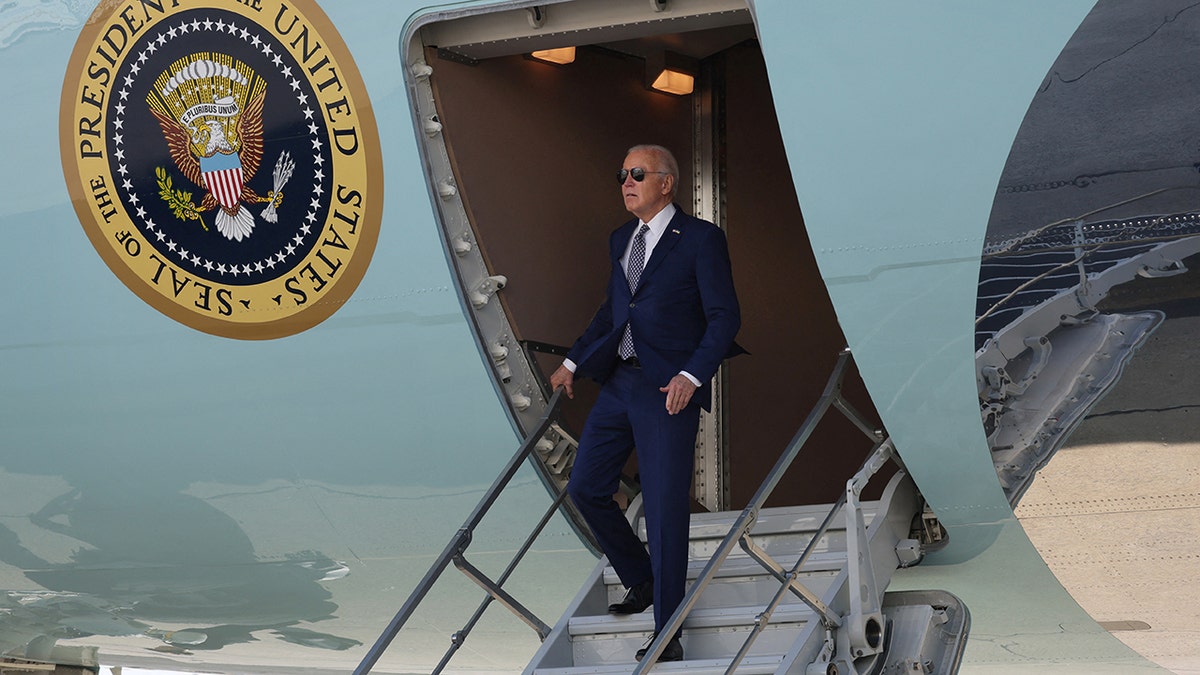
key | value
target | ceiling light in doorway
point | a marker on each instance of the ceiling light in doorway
(671, 73)
(562, 55)
(674, 82)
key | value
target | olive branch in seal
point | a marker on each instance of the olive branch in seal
(179, 201)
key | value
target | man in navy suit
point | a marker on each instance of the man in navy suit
(668, 320)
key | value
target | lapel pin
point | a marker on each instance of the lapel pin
(675, 231)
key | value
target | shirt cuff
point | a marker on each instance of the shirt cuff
(570, 365)
(687, 375)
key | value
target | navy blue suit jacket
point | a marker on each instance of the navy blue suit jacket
(683, 316)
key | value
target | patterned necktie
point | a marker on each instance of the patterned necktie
(637, 261)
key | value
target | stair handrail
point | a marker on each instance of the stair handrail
(457, 546)
(739, 531)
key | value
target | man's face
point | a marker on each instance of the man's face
(646, 198)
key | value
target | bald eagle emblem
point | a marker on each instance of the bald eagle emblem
(210, 109)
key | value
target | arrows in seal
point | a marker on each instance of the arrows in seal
(283, 171)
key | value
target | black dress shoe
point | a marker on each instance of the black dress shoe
(637, 599)
(672, 652)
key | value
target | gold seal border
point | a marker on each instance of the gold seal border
(371, 164)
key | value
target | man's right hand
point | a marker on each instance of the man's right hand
(565, 379)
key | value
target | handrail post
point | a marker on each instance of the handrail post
(865, 620)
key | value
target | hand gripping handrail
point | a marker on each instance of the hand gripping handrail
(455, 549)
(739, 532)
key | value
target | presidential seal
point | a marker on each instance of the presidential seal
(223, 159)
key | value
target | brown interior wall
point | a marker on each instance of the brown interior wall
(537, 148)
(788, 322)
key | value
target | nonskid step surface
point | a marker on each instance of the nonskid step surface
(709, 617)
(751, 665)
(746, 590)
(744, 566)
(698, 644)
(775, 520)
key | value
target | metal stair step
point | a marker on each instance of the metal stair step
(751, 665)
(699, 643)
(739, 591)
(774, 520)
(745, 582)
(709, 617)
(745, 566)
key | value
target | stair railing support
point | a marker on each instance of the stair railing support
(460, 636)
(457, 546)
(865, 620)
(500, 595)
(740, 530)
(857, 533)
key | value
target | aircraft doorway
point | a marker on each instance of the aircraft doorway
(523, 156)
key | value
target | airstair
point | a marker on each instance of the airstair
(788, 590)
(772, 605)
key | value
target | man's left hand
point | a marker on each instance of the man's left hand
(679, 392)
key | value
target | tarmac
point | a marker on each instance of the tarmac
(1116, 512)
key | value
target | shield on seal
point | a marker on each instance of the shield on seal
(222, 175)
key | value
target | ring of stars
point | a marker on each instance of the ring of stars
(253, 39)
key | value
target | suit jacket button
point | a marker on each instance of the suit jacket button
(633, 304)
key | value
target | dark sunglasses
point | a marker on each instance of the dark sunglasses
(638, 173)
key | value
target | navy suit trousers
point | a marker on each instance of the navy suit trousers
(630, 412)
